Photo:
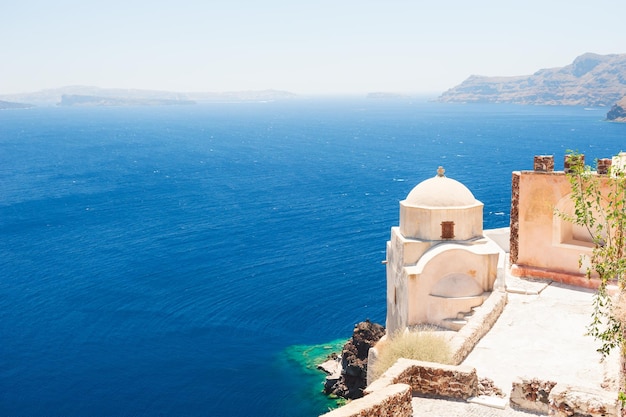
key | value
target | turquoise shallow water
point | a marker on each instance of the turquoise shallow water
(304, 359)
(170, 261)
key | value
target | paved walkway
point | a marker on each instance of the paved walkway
(428, 407)
(541, 333)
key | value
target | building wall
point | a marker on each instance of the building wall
(425, 222)
(431, 281)
(401, 252)
(470, 268)
(543, 245)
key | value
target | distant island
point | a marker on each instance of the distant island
(76, 100)
(592, 80)
(6, 105)
(95, 96)
(386, 95)
(618, 111)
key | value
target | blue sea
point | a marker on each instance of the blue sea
(198, 260)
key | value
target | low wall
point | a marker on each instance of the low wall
(478, 325)
(567, 400)
(430, 379)
(562, 400)
(391, 394)
(390, 401)
(531, 395)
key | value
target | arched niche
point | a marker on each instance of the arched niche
(566, 232)
(456, 285)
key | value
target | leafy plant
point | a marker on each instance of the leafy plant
(600, 207)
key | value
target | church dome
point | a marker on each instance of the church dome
(440, 191)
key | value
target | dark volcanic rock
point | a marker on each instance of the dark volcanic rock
(353, 377)
(618, 111)
(591, 80)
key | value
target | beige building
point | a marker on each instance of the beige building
(439, 263)
(543, 244)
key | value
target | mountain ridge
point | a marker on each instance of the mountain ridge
(590, 80)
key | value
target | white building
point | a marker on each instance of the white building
(439, 263)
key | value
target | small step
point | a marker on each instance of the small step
(453, 324)
(464, 315)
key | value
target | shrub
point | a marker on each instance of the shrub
(600, 207)
(422, 345)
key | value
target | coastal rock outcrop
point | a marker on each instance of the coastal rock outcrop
(353, 376)
(618, 111)
(591, 80)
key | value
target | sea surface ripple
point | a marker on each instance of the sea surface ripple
(171, 260)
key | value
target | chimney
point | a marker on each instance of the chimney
(572, 161)
(544, 163)
(604, 165)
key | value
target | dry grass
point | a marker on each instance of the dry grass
(422, 345)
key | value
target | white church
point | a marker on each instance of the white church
(439, 263)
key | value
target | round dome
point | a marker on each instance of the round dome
(440, 191)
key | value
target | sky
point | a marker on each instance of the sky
(305, 47)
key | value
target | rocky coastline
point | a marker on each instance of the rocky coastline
(618, 112)
(347, 372)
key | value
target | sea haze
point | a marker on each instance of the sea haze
(175, 260)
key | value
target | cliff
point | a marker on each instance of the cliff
(618, 111)
(351, 381)
(591, 80)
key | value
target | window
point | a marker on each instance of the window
(447, 230)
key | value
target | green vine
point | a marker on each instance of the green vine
(600, 207)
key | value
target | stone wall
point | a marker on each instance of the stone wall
(566, 401)
(390, 401)
(531, 394)
(435, 380)
(391, 394)
(562, 400)
(514, 225)
(430, 379)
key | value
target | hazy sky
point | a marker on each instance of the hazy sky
(316, 46)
